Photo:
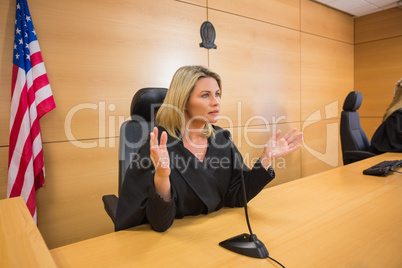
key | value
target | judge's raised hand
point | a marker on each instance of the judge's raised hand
(159, 154)
(160, 159)
(276, 147)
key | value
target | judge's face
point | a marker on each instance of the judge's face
(204, 102)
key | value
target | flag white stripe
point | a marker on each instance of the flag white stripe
(33, 114)
(28, 181)
(38, 70)
(16, 158)
(15, 100)
(29, 79)
(34, 47)
(43, 93)
(37, 145)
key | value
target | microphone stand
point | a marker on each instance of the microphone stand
(246, 244)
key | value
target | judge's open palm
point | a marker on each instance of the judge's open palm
(280, 147)
(159, 154)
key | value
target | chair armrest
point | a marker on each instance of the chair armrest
(354, 156)
(110, 203)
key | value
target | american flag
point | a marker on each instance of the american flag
(31, 98)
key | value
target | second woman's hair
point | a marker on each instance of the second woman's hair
(171, 114)
(396, 103)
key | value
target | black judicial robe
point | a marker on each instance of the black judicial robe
(388, 136)
(197, 187)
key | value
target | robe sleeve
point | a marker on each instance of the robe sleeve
(160, 214)
(138, 202)
(255, 180)
(388, 136)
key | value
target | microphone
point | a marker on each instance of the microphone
(245, 244)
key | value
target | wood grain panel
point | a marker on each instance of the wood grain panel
(106, 57)
(260, 68)
(3, 171)
(195, 2)
(279, 12)
(70, 206)
(378, 66)
(379, 25)
(7, 17)
(320, 20)
(327, 73)
(250, 142)
(321, 147)
(370, 125)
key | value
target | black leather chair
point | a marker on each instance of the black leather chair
(355, 144)
(133, 134)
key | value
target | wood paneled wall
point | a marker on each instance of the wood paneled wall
(284, 64)
(378, 63)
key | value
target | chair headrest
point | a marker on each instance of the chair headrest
(353, 101)
(141, 104)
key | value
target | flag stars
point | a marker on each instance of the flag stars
(18, 6)
(15, 46)
(18, 31)
(28, 18)
(17, 56)
(28, 58)
(20, 40)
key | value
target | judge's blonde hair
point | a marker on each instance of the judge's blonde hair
(170, 115)
(396, 103)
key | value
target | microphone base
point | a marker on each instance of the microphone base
(247, 245)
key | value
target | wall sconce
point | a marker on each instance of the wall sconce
(208, 35)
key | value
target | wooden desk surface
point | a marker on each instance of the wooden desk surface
(21, 244)
(338, 218)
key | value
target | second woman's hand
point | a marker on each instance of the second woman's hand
(160, 159)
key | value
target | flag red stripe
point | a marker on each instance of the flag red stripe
(14, 78)
(17, 123)
(38, 165)
(40, 82)
(26, 155)
(31, 201)
(45, 106)
(36, 58)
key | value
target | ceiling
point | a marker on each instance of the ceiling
(360, 7)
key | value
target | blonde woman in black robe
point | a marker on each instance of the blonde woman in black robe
(388, 136)
(188, 166)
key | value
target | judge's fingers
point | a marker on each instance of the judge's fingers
(152, 136)
(153, 144)
(156, 143)
(163, 141)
